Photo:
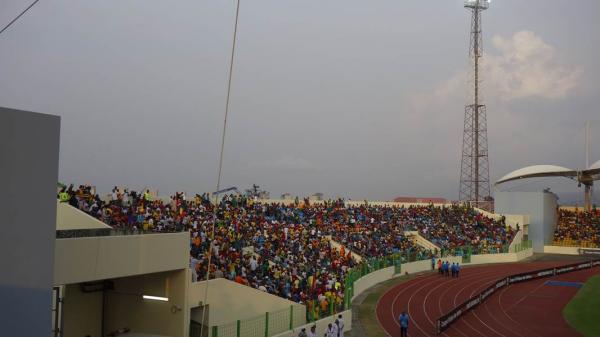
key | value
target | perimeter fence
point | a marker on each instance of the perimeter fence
(265, 325)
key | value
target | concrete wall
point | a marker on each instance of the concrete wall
(542, 210)
(82, 312)
(229, 301)
(125, 306)
(29, 146)
(500, 258)
(97, 258)
(385, 274)
(561, 250)
(372, 279)
(517, 219)
(69, 217)
(524, 254)
(321, 325)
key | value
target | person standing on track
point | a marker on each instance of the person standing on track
(440, 265)
(453, 269)
(335, 330)
(331, 332)
(403, 319)
(457, 269)
(340, 321)
(432, 262)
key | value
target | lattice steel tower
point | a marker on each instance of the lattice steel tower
(474, 167)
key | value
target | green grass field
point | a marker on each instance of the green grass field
(583, 312)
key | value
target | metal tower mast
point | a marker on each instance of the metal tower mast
(474, 167)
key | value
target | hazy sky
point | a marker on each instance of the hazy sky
(361, 99)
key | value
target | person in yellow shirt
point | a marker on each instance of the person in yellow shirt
(63, 196)
(324, 305)
(147, 196)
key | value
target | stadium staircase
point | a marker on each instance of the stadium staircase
(337, 246)
(516, 241)
(421, 241)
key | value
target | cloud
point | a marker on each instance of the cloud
(521, 66)
(520, 73)
(286, 162)
(526, 66)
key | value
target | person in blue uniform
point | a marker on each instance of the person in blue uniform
(403, 319)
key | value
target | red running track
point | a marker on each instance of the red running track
(530, 308)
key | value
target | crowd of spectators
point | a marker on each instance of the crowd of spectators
(457, 227)
(286, 250)
(377, 231)
(578, 228)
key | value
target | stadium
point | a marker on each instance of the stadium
(139, 264)
(86, 260)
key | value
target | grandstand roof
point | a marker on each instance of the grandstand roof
(594, 170)
(538, 171)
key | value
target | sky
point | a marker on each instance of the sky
(356, 99)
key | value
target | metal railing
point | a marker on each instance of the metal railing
(575, 243)
(519, 247)
(266, 325)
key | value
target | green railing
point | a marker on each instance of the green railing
(464, 251)
(266, 325)
(467, 251)
(519, 247)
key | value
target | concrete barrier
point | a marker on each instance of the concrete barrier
(372, 279)
(227, 299)
(321, 325)
(104, 257)
(524, 254)
(500, 258)
(69, 217)
(561, 250)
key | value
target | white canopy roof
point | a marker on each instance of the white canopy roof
(594, 170)
(539, 171)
